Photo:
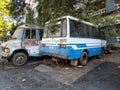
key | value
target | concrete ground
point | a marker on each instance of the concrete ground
(99, 74)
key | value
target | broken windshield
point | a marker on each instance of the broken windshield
(17, 33)
(56, 29)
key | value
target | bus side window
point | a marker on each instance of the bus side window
(33, 34)
(89, 31)
(27, 34)
(95, 31)
(85, 34)
(82, 30)
(73, 29)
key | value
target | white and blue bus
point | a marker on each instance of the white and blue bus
(72, 39)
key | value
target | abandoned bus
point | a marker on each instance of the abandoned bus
(72, 39)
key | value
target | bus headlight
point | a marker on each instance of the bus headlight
(7, 50)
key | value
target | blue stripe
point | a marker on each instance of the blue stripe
(70, 52)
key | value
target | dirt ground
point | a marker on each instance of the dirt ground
(69, 74)
(99, 74)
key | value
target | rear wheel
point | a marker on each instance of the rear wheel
(101, 53)
(83, 60)
(19, 59)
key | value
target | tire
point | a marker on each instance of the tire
(101, 53)
(83, 60)
(19, 59)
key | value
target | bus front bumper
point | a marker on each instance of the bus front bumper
(3, 54)
(61, 56)
(3, 57)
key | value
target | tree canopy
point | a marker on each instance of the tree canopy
(49, 9)
(4, 14)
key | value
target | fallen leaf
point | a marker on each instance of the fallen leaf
(23, 80)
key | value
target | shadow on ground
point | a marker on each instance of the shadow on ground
(105, 76)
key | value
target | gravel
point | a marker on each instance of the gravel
(104, 75)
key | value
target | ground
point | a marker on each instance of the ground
(99, 74)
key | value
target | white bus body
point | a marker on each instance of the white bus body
(73, 40)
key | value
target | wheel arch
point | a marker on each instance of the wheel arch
(85, 50)
(20, 50)
(83, 60)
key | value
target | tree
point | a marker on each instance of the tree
(4, 12)
(50, 9)
(47, 9)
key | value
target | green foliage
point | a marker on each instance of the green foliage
(14, 27)
(51, 9)
(53, 27)
(4, 11)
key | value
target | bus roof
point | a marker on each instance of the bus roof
(77, 19)
(73, 18)
(30, 26)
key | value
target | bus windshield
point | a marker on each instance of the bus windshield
(57, 29)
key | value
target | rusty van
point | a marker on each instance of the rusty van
(24, 43)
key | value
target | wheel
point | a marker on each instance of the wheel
(83, 60)
(19, 59)
(101, 53)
